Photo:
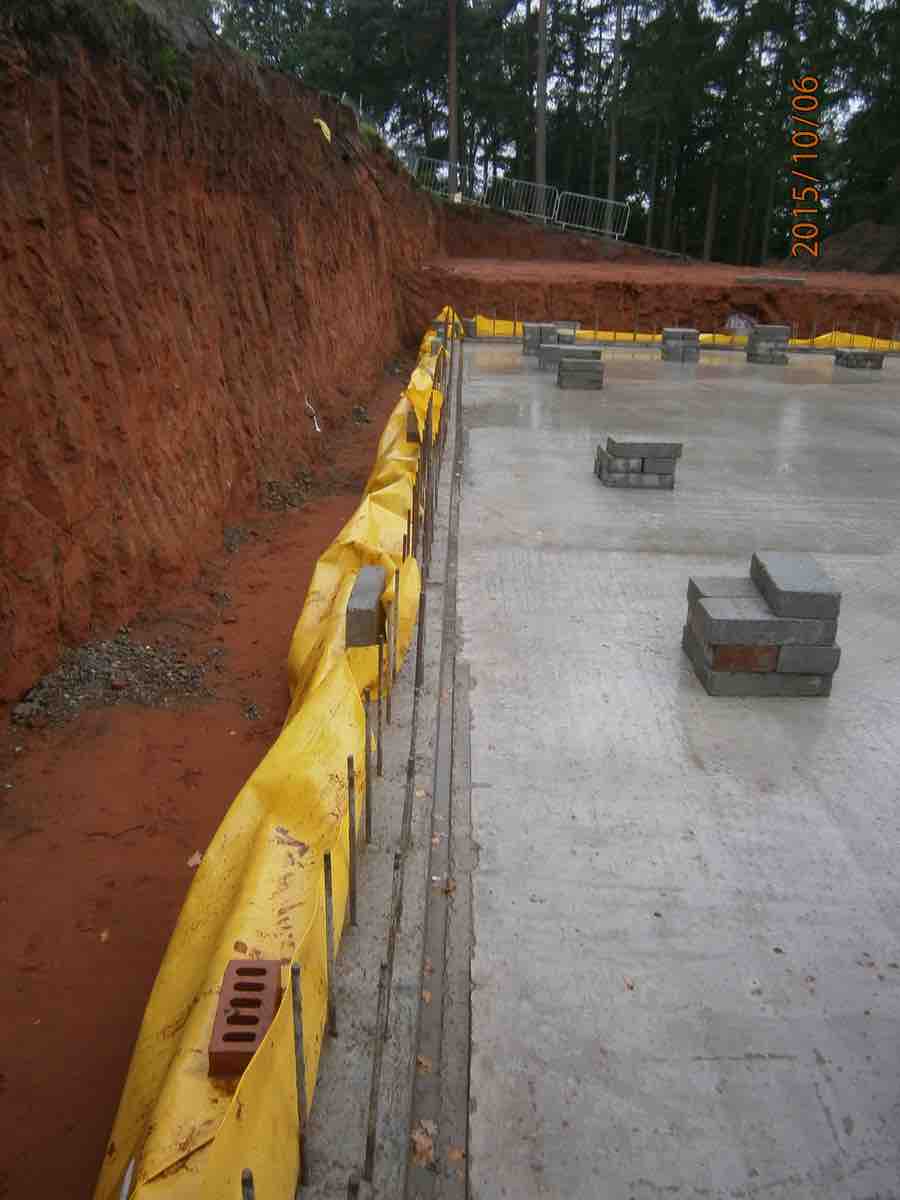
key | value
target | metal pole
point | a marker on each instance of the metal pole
(378, 751)
(396, 623)
(367, 704)
(248, 1192)
(351, 794)
(388, 690)
(420, 640)
(300, 1071)
(331, 1024)
(377, 1056)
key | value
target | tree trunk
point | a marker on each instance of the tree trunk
(452, 95)
(741, 241)
(670, 199)
(654, 167)
(768, 213)
(595, 130)
(712, 213)
(540, 140)
(614, 108)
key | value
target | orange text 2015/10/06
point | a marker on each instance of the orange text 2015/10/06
(805, 195)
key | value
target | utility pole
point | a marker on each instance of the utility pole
(540, 139)
(452, 96)
(614, 108)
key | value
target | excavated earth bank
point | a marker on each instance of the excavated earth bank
(175, 283)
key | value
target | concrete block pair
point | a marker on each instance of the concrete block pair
(869, 360)
(637, 464)
(680, 345)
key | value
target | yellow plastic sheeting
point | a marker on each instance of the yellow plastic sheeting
(259, 891)
(498, 327)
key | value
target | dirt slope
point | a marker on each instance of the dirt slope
(174, 281)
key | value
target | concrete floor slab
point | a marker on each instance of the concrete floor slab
(686, 978)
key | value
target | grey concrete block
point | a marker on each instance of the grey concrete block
(750, 622)
(591, 384)
(553, 354)
(770, 359)
(680, 335)
(795, 585)
(751, 683)
(721, 587)
(643, 480)
(808, 660)
(627, 447)
(660, 466)
(365, 615)
(679, 353)
(580, 366)
(468, 326)
(872, 360)
(566, 337)
(772, 333)
(618, 466)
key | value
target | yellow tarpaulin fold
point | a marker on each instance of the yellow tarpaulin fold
(259, 891)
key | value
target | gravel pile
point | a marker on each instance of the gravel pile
(117, 671)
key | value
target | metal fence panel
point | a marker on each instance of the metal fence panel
(434, 174)
(593, 214)
(522, 197)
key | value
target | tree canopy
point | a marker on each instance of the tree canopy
(699, 119)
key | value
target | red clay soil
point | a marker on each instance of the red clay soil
(649, 295)
(173, 284)
(98, 818)
(471, 232)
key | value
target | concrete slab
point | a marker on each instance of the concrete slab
(686, 908)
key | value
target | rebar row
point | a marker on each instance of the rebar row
(419, 536)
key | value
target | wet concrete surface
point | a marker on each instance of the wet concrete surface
(687, 909)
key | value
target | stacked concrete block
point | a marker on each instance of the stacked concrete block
(579, 372)
(566, 331)
(768, 344)
(771, 633)
(637, 464)
(680, 345)
(536, 335)
(871, 360)
(469, 327)
(551, 355)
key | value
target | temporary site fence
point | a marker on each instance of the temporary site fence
(277, 881)
(522, 197)
(592, 214)
(434, 174)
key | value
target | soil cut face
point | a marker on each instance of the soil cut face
(646, 296)
(104, 804)
(178, 282)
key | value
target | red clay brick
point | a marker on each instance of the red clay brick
(744, 658)
(251, 992)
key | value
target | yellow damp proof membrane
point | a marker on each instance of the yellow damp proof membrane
(259, 891)
(487, 327)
